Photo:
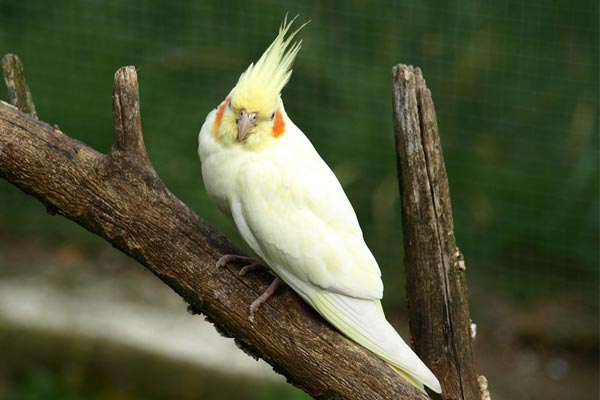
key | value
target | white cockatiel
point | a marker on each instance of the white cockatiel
(288, 206)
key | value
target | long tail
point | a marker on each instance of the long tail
(363, 321)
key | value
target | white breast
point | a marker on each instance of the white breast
(219, 165)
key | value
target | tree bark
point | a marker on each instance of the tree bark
(18, 89)
(435, 269)
(119, 197)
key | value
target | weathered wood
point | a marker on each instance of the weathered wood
(435, 273)
(18, 90)
(120, 198)
(126, 115)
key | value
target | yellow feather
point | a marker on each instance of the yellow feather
(409, 378)
(259, 87)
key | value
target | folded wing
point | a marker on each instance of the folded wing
(296, 217)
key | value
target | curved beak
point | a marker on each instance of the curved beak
(245, 123)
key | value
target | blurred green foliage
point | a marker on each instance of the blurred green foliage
(515, 86)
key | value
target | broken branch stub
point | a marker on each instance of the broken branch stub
(18, 89)
(126, 114)
(435, 282)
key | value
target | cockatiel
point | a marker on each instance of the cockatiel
(288, 206)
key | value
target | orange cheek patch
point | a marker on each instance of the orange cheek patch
(219, 117)
(278, 125)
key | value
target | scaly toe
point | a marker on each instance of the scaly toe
(233, 258)
(249, 268)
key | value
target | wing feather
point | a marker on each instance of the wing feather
(362, 321)
(297, 216)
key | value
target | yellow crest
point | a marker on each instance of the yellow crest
(259, 87)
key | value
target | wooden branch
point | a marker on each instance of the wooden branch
(18, 90)
(126, 115)
(435, 271)
(120, 198)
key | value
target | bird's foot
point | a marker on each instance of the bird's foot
(264, 297)
(251, 264)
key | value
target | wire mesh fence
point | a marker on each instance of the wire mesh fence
(515, 86)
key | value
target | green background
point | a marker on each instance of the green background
(515, 86)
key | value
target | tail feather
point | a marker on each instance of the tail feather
(362, 320)
(411, 379)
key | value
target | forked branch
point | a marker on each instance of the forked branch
(119, 197)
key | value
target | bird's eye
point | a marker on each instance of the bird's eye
(272, 116)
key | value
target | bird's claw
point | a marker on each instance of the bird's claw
(249, 268)
(251, 265)
(264, 297)
(234, 258)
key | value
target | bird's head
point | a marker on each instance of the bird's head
(252, 114)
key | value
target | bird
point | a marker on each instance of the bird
(263, 173)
